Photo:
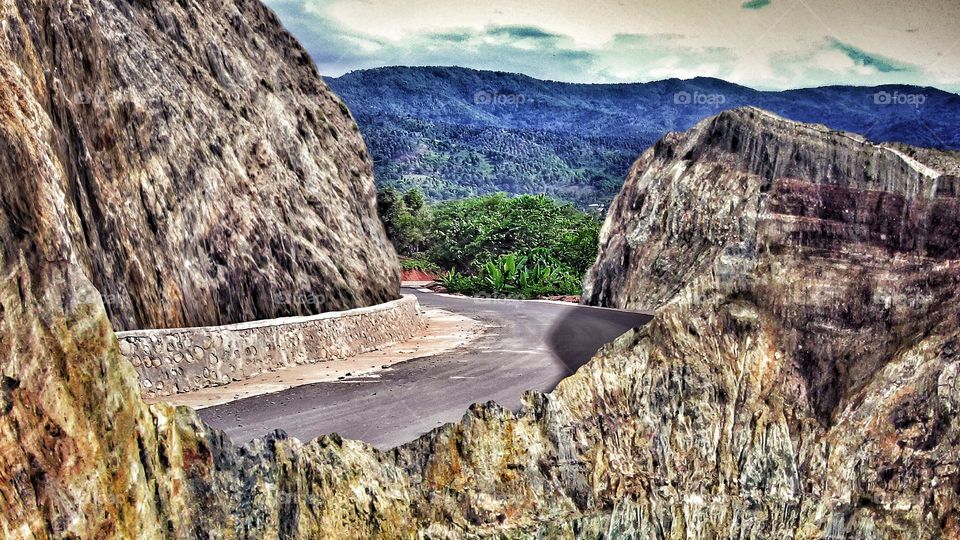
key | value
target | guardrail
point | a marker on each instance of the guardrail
(176, 360)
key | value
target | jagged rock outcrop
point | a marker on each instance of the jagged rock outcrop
(189, 158)
(81, 456)
(806, 342)
(729, 180)
(800, 378)
(186, 159)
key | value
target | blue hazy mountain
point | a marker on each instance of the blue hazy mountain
(457, 132)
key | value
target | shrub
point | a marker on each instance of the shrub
(422, 265)
(527, 246)
(403, 218)
(461, 233)
(458, 282)
(517, 275)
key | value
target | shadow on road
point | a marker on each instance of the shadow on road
(576, 337)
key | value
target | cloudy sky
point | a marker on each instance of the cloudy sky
(768, 44)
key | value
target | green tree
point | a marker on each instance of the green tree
(482, 228)
(530, 245)
(403, 219)
(390, 207)
(414, 200)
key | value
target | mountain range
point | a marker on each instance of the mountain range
(457, 132)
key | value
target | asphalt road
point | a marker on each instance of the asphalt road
(532, 346)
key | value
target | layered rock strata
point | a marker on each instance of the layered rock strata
(806, 342)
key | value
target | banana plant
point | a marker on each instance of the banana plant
(530, 277)
(495, 276)
(504, 273)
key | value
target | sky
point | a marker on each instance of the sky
(764, 44)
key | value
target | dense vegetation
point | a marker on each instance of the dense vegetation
(455, 132)
(526, 246)
(447, 161)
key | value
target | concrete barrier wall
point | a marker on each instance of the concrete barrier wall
(172, 361)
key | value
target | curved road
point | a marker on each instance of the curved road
(529, 346)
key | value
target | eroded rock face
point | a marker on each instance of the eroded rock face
(186, 158)
(81, 456)
(190, 158)
(806, 349)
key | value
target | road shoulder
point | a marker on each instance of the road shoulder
(443, 332)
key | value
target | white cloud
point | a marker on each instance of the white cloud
(836, 62)
(786, 43)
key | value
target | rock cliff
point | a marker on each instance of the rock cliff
(800, 378)
(185, 159)
(805, 349)
(188, 157)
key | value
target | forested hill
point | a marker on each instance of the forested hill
(457, 132)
